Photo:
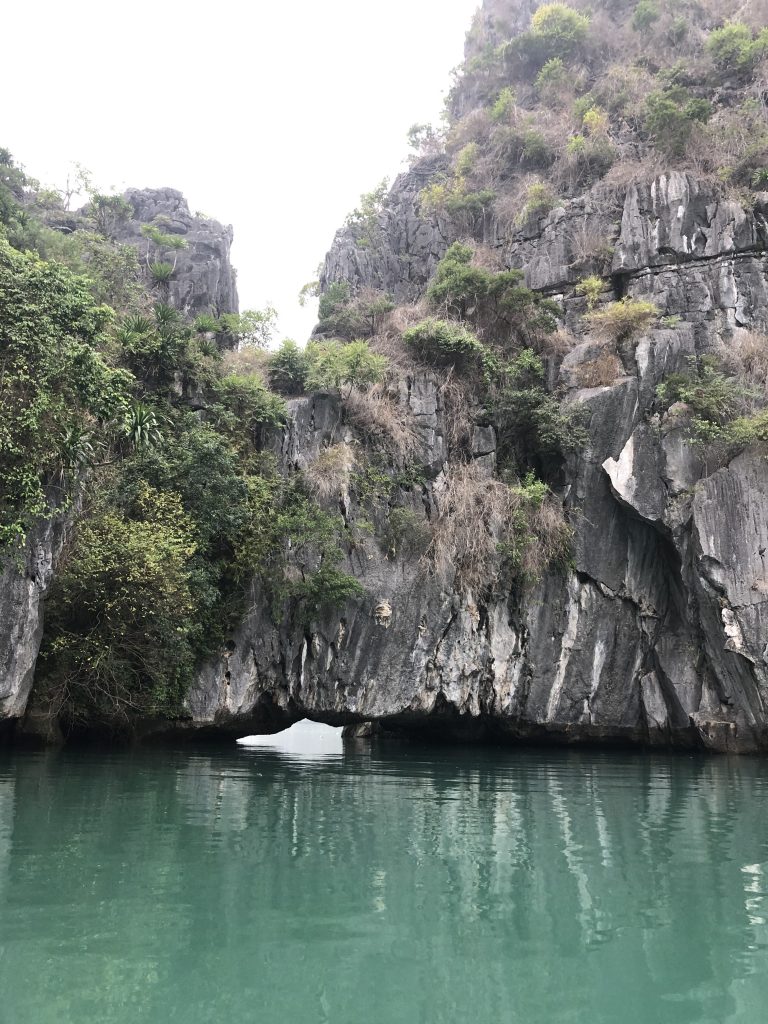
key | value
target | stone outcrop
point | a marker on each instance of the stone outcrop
(23, 586)
(657, 632)
(204, 279)
(657, 635)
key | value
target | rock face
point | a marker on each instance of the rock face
(23, 586)
(658, 634)
(204, 279)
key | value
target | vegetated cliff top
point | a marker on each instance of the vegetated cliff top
(554, 97)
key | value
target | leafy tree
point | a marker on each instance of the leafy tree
(734, 49)
(288, 369)
(52, 381)
(671, 114)
(346, 316)
(251, 327)
(535, 431)
(445, 342)
(109, 212)
(364, 219)
(334, 364)
(122, 612)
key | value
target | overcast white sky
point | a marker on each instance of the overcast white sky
(271, 116)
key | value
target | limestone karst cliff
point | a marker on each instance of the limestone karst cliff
(621, 182)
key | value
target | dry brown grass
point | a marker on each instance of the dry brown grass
(376, 414)
(507, 207)
(590, 242)
(482, 522)
(473, 127)
(455, 401)
(600, 371)
(328, 475)
(746, 356)
(248, 362)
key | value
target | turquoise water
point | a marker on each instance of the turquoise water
(406, 885)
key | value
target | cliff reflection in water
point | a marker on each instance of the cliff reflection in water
(395, 886)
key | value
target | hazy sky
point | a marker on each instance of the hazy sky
(273, 117)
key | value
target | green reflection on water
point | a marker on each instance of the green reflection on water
(394, 886)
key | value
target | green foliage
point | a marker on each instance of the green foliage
(734, 49)
(468, 291)
(424, 139)
(289, 529)
(466, 159)
(712, 395)
(645, 14)
(109, 212)
(310, 290)
(557, 31)
(591, 288)
(112, 269)
(504, 105)
(671, 114)
(205, 323)
(364, 219)
(561, 27)
(52, 383)
(121, 616)
(141, 426)
(242, 403)
(534, 430)
(552, 75)
(457, 282)
(288, 369)
(406, 534)
(455, 198)
(445, 342)
(623, 320)
(716, 402)
(161, 272)
(539, 201)
(346, 316)
(254, 327)
(335, 364)
(161, 238)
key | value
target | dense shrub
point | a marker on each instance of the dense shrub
(671, 114)
(492, 299)
(645, 14)
(364, 221)
(344, 315)
(734, 49)
(591, 288)
(534, 430)
(288, 368)
(710, 394)
(445, 342)
(455, 198)
(53, 382)
(539, 201)
(122, 627)
(622, 320)
(334, 364)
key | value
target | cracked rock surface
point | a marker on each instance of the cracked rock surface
(658, 633)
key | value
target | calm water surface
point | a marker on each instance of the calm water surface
(417, 886)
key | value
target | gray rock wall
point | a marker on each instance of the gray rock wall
(204, 280)
(23, 585)
(658, 632)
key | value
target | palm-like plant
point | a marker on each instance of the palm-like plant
(76, 448)
(142, 426)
